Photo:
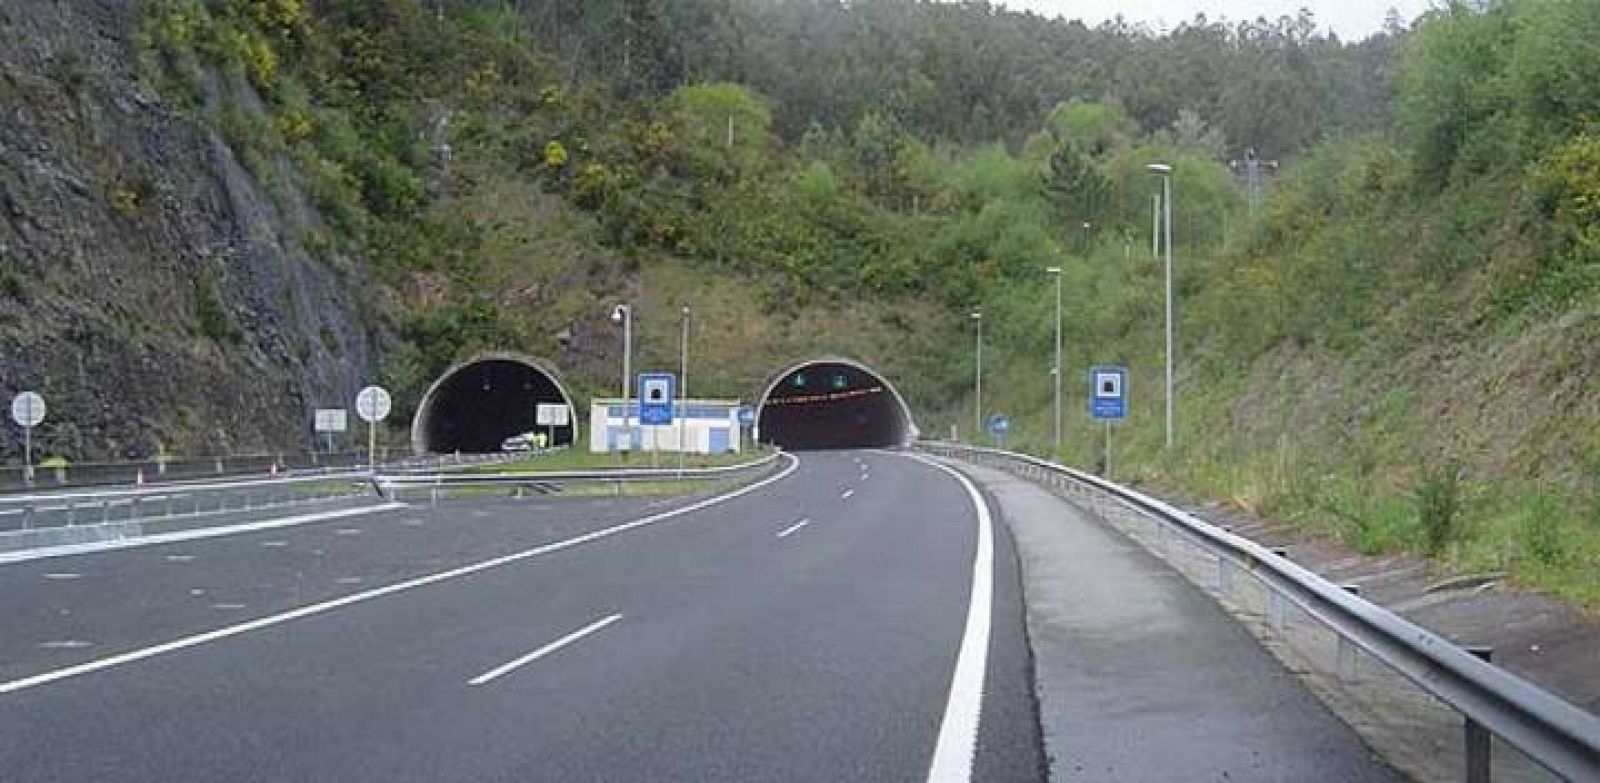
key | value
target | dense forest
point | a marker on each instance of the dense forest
(880, 149)
(1370, 311)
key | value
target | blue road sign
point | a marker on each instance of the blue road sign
(999, 424)
(656, 390)
(747, 416)
(1108, 392)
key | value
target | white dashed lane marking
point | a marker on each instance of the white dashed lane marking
(66, 644)
(62, 576)
(794, 528)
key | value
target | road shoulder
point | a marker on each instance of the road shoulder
(1141, 677)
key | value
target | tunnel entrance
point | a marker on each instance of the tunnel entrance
(476, 405)
(833, 404)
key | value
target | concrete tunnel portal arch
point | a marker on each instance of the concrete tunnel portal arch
(475, 405)
(833, 403)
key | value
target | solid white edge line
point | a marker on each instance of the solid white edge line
(794, 528)
(355, 598)
(518, 663)
(91, 547)
(958, 731)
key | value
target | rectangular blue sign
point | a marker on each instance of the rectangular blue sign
(1108, 392)
(656, 391)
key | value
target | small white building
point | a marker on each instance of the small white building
(708, 427)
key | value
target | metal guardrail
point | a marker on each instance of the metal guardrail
(77, 507)
(38, 512)
(85, 475)
(390, 483)
(1557, 735)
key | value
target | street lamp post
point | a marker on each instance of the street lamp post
(1155, 225)
(1055, 372)
(1165, 172)
(623, 314)
(683, 386)
(977, 381)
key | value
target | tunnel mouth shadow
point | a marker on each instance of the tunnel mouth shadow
(833, 404)
(476, 405)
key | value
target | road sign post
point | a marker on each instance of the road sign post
(372, 405)
(1108, 401)
(330, 421)
(999, 425)
(27, 409)
(656, 393)
(747, 422)
(551, 415)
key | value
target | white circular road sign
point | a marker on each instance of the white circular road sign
(372, 404)
(27, 409)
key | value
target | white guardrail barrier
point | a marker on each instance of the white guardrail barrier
(198, 497)
(394, 484)
(1560, 737)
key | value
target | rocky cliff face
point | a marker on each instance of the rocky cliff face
(151, 287)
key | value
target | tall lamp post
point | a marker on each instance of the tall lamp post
(683, 385)
(1165, 172)
(1055, 371)
(977, 381)
(623, 314)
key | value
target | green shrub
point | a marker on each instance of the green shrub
(212, 314)
(1438, 498)
(1542, 530)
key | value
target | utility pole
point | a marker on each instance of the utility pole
(623, 314)
(1055, 372)
(683, 387)
(1165, 172)
(977, 382)
(1251, 167)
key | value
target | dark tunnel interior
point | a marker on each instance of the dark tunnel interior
(829, 405)
(477, 407)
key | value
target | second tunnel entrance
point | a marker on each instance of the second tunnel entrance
(833, 404)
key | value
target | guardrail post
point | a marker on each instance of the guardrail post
(72, 513)
(133, 509)
(1347, 658)
(1479, 749)
(1275, 608)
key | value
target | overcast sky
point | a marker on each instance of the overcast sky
(1351, 19)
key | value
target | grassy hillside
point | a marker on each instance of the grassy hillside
(1401, 350)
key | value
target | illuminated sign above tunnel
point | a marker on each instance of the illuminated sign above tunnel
(833, 403)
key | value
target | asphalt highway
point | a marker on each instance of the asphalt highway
(819, 626)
